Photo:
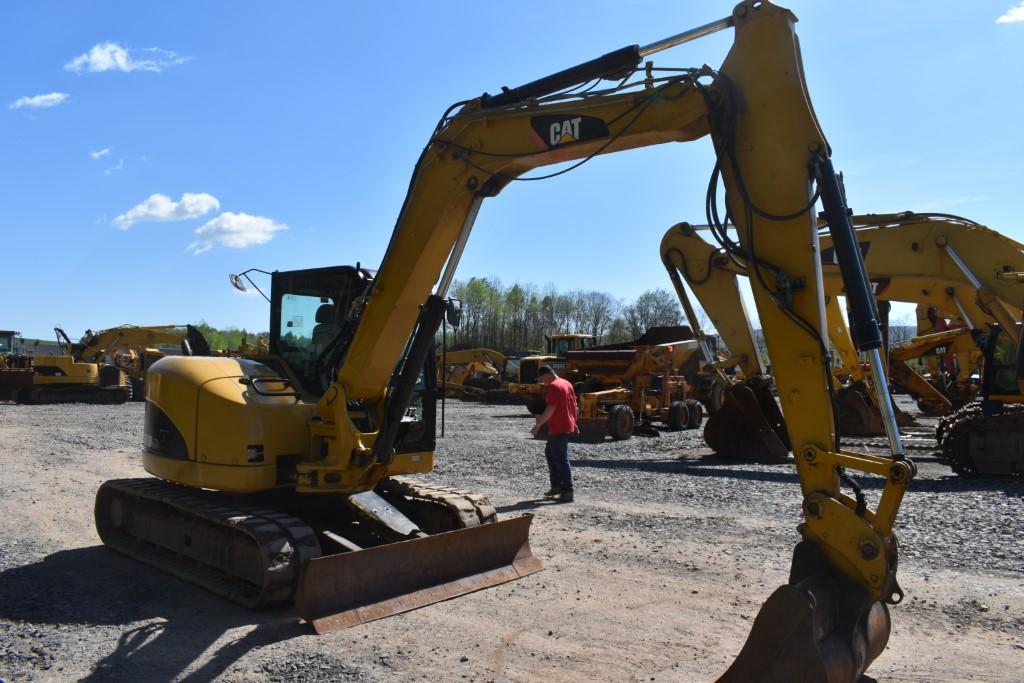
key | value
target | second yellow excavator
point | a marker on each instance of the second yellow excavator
(108, 366)
(276, 481)
(926, 258)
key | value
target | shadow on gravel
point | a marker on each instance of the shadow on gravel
(96, 587)
(712, 466)
(526, 505)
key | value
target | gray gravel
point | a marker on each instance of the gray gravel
(946, 520)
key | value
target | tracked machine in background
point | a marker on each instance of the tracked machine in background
(987, 437)
(108, 366)
(469, 374)
(925, 258)
(304, 463)
(944, 390)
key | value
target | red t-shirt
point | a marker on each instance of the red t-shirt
(563, 398)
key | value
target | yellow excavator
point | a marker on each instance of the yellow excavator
(951, 370)
(264, 474)
(133, 349)
(108, 366)
(926, 258)
(470, 373)
(945, 390)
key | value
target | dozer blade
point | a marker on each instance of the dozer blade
(820, 629)
(352, 588)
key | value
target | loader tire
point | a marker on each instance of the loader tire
(536, 406)
(620, 422)
(696, 412)
(138, 387)
(678, 416)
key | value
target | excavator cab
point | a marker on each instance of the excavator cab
(1002, 370)
(308, 309)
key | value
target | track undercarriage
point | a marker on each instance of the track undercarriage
(105, 395)
(974, 443)
(342, 561)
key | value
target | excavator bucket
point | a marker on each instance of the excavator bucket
(749, 425)
(821, 628)
(343, 590)
(858, 416)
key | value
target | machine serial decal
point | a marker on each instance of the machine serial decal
(565, 129)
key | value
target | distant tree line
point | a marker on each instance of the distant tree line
(229, 337)
(517, 317)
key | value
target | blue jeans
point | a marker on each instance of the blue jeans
(557, 452)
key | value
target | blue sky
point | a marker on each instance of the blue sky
(286, 132)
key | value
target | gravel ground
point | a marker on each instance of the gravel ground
(654, 573)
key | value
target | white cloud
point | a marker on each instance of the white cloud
(1013, 15)
(113, 57)
(40, 101)
(158, 207)
(234, 230)
(116, 167)
(100, 153)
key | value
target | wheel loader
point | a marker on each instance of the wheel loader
(532, 392)
(264, 488)
(638, 384)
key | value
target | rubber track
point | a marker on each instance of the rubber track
(470, 509)
(283, 542)
(911, 443)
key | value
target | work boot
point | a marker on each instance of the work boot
(553, 492)
(566, 496)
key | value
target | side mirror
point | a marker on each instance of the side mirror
(453, 312)
(237, 283)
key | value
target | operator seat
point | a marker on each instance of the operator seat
(326, 328)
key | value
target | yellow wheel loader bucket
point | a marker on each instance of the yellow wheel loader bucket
(352, 588)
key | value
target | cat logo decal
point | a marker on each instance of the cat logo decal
(566, 129)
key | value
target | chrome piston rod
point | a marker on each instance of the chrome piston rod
(460, 246)
(881, 383)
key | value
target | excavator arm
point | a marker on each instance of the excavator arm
(940, 260)
(963, 270)
(712, 275)
(771, 154)
(95, 345)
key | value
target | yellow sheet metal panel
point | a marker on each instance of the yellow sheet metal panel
(211, 476)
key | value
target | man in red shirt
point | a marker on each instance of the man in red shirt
(560, 417)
